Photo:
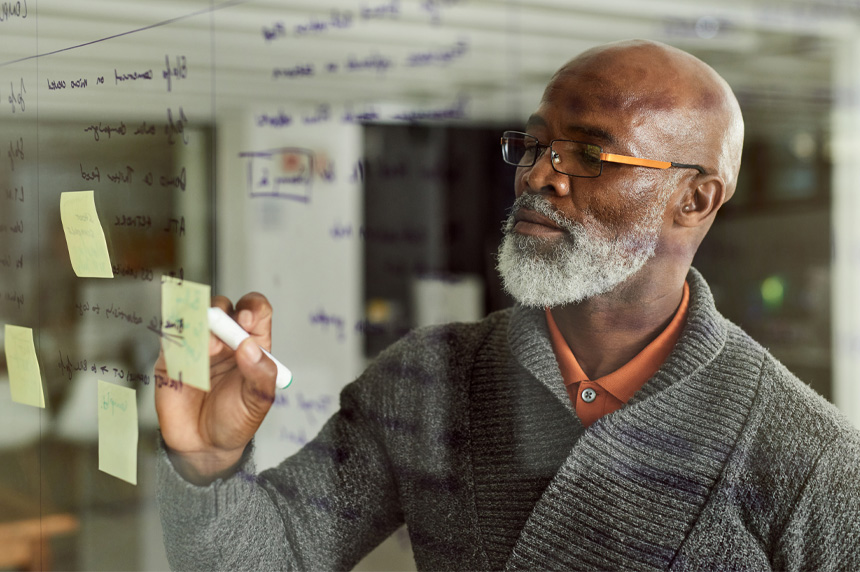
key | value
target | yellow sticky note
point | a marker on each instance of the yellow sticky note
(185, 330)
(84, 235)
(25, 379)
(118, 431)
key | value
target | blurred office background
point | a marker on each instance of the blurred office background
(342, 157)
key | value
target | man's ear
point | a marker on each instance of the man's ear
(700, 203)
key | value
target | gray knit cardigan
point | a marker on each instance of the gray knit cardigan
(722, 461)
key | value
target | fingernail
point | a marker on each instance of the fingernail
(252, 352)
(245, 318)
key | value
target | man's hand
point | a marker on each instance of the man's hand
(207, 432)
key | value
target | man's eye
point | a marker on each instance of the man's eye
(591, 153)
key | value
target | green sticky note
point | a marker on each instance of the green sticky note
(185, 330)
(118, 431)
(84, 235)
(25, 378)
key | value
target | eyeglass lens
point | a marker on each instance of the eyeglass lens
(568, 157)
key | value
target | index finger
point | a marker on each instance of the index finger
(254, 313)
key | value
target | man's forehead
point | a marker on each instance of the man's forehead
(590, 129)
(637, 77)
(586, 91)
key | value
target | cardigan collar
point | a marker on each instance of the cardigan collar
(701, 340)
(634, 483)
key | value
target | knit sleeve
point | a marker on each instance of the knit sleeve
(323, 508)
(823, 529)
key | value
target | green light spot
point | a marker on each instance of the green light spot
(773, 292)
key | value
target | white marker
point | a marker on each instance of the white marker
(232, 334)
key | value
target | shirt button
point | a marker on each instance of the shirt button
(588, 395)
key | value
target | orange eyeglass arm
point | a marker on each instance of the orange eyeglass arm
(635, 161)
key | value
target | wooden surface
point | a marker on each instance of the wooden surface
(25, 544)
(25, 536)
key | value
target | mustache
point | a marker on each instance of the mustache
(541, 206)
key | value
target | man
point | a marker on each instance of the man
(611, 420)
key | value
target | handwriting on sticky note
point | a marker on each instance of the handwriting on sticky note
(117, 408)
(84, 235)
(25, 379)
(185, 330)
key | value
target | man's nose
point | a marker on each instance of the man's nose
(541, 177)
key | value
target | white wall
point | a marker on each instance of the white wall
(846, 231)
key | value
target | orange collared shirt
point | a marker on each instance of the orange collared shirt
(592, 399)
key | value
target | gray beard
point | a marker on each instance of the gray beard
(545, 272)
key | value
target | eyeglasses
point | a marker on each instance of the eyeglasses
(573, 158)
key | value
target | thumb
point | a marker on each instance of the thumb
(259, 373)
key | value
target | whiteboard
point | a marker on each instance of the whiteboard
(228, 143)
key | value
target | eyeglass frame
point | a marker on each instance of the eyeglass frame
(604, 157)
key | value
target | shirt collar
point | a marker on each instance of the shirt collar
(629, 378)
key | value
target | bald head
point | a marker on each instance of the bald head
(682, 109)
